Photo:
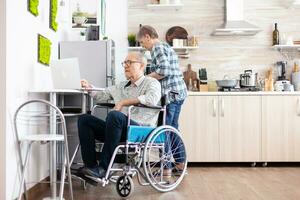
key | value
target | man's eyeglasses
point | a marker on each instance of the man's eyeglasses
(129, 62)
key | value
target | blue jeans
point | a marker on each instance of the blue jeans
(177, 150)
(111, 132)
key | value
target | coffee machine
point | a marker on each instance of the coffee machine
(281, 70)
(281, 82)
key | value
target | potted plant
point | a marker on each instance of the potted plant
(131, 40)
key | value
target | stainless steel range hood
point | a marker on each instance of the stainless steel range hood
(234, 21)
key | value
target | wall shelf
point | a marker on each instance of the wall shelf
(164, 6)
(182, 52)
(289, 52)
(185, 48)
(286, 47)
(175, 48)
(136, 49)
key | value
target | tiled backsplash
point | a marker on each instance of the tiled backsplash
(221, 55)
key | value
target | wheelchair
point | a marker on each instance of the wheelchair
(156, 155)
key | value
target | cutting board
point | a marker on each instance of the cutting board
(189, 74)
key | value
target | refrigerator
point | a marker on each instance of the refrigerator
(96, 60)
(97, 65)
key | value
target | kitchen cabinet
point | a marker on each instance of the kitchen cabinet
(198, 124)
(221, 128)
(240, 128)
(281, 128)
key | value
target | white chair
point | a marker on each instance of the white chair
(39, 121)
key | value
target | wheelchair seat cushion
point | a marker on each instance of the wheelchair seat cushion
(139, 134)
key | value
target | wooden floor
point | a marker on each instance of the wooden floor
(274, 183)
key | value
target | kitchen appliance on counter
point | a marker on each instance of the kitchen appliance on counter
(281, 70)
(232, 85)
(282, 84)
(248, 79)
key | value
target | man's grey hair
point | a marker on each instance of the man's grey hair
(141, 58)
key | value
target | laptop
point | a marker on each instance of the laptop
(65, 73)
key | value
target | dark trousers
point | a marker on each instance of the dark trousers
(111, 132)
(176, 149)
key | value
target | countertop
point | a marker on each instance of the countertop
(261, 93)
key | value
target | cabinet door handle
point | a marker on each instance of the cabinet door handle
(214, 108)
(222, 107)
(298, 104)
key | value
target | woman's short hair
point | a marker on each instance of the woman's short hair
(147, 30)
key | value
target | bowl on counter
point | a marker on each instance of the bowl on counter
(226, 82)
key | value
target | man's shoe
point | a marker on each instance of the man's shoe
(79, 173)
(97, 172)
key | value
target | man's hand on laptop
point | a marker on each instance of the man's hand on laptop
(85, 84)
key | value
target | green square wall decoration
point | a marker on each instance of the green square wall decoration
(44, 50)
(33, 7)
(53, 15)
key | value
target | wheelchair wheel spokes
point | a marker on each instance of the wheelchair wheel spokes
(164, 159)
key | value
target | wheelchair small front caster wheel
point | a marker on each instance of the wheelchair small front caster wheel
(124, 186)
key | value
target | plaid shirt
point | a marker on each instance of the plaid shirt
(165, 63)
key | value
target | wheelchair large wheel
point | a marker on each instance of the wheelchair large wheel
(164, 158)
(124, 186)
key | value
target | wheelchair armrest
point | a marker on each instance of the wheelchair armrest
(111, 105)
(150, 107)
(107, 105)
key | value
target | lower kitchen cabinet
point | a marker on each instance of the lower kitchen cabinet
(281, 128)
(198, 124)
(232, 128)
(222, 128)
(240, 128)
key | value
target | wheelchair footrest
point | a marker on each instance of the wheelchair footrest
(97, 180)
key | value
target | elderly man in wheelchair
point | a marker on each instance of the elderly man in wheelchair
(135, 128)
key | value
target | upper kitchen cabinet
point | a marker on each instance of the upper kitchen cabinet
(199, 127)
(240, 128)
(281, 128)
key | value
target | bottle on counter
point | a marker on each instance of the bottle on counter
(275, 35)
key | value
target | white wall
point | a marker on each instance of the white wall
(22, 30)
(116, 29)
(222, 55)
(2, 100)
